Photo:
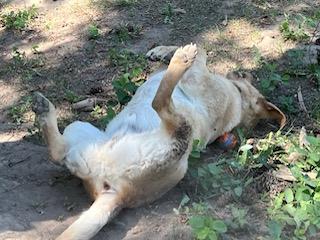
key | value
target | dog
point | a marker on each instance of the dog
(144, 150)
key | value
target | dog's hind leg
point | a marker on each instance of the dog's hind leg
(91, 221)
(162, 102)
(46, 115)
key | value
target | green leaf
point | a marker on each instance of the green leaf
(238, 191)
(213, 236)
(214, 169)
(275, 229)
(299, 216)
(290, 209)
(302, 194)
(313, 140)
(278, 201)
(203, 233)
(316, 196)
(196, 222)
(245, 148)
(315, 157)
(219, 226)
(195, 154)
(288, 194)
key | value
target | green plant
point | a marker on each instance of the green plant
(238, 220)
(26, 66)
(18, 56)
(167, 11)
(71, 96)
(206, 227)
(298, 27)
(97, 112)
(270, 78)
(212, 179)
(93, 32)
(197, 148)
(203, 224)
(296, 209)
(108, 116)
(294, 29)
(298, 205)
(126, 60)
(125, 86)
(17, 112)
(132, 66)
(125, 32)
(287, 104)
(19, 20)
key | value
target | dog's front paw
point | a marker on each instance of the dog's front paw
(161, 53)
(185, 56)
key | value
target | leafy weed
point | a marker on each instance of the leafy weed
(19, 20)
(18, 112)
(93, 32)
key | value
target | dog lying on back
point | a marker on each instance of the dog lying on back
(144, 150)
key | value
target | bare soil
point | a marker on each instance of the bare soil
(38, 200)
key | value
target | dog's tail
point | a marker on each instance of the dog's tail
(162, 102)
(91, 221)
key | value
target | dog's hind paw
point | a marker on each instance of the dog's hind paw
(41, 105)
(185, 56)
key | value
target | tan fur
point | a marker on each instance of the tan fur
(220, 104)
(162, 101)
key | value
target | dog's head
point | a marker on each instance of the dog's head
(254, 104)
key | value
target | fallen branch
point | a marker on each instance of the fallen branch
(87, 104)
(301, 102)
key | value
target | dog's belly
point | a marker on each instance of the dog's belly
(138, 161)
(153, 186)
(139, 116)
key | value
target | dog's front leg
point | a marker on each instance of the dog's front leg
(46, 115)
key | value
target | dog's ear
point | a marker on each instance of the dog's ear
(240, 76)
(270, 111)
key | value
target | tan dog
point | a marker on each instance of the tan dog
(144, 151)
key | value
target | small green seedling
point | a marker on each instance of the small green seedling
(94, 32)
(168, 13)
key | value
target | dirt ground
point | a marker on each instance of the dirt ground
(38, 200)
